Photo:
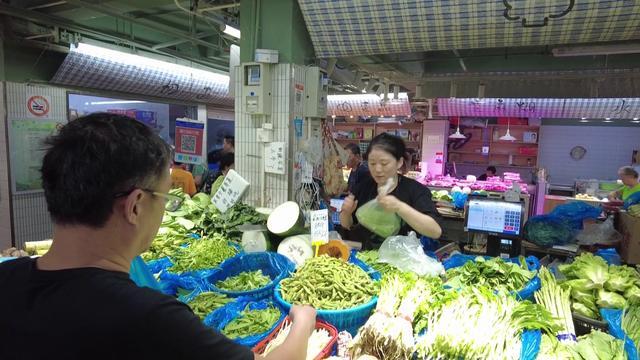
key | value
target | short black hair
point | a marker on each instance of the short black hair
(629, 171)
(95, 157)
(226, 161)
(354, 148)
(492, 169)
(394, 145)
(231, 140)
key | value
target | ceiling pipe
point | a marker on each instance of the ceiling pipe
(182, 41)
(167, 30)
(219, 7)
(45, 19)
(462, 64)
(47, 5)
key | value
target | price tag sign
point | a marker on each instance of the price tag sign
(231, 190)
(319, 227)
(274, 158)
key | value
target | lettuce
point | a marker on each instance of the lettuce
(590, 267)
(632, 295)
(611, 300)
(600, 346)
(583, 310)
(621, 278)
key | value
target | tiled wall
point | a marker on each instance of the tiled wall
(5, 204)
(267, 190)
(608, 148)
(30, 216)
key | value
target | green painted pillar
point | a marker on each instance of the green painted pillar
(277, 25)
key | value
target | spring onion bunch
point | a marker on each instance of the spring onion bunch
(557, 301)
(631, 324)
(480, 324)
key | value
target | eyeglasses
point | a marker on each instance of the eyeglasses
(172, 202)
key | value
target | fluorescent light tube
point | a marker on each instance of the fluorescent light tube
(231, 31)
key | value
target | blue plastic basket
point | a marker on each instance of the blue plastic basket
(273, 265)
(533, 264)
(348, 319)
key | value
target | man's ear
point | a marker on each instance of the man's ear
(132, 207)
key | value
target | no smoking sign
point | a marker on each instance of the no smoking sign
(38, 106)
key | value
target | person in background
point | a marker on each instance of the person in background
(359, 169)
(629, 178)
(226, 164)
(199, 172)
(489, 172)
(228, 146)
(105, 180)
(182, 179)
(408, 198)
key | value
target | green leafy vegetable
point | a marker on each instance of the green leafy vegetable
(621, 278)
(205, 253)
(370, 257)
(590, 267)
(245, 281)
(631, 325)
(610, 300)
(599, 346)
(633, 295)
(494, 273)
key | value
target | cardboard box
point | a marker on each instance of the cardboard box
(629, 227)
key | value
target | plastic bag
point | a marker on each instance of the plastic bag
(141, 275)
(459, 199)
(610, 255)
(224, 315)
(376, 219)
(603, 233)
(406, 253)
(613, 318)
(547, 231)
(530, 344)
(576, 212)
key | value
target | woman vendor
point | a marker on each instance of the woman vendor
(629, 178)
(410, 200)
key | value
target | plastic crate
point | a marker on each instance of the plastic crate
(585, 325)
(273, 265)
(345, 319)
(326, 352)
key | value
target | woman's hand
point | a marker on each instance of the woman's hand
(390, 203)
(349, 205)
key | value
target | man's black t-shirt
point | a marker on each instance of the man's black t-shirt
(408, 191)
(91, 313)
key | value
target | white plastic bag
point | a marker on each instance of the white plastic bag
(406, 253)
(603, 233)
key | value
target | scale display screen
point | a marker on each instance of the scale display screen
(497, 217)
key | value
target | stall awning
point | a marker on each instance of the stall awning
(614, 108)
(366, 27)
(369, 105)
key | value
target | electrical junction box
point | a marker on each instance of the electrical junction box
(264, 135)
(316, 91)
(256, 88)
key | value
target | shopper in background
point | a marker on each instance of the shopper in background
(629, 178)
(359, 169)
(199, 172)
(182, 179)
(489, 172)
(228, 146)
(408, 198)
(226, 163)
(105, 179)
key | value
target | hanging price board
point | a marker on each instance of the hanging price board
(231, 190)
(319, 227)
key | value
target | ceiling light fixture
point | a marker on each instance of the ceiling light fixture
(507, 136)
(231, 31)
(115, 102)
(457, 134)
(584, 120)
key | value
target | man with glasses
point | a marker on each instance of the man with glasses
(106, 179)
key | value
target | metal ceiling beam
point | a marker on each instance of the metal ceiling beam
(167, 30)
(181, 41)
(50, 20)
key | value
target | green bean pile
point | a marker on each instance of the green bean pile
(205, 302)
(205, 253)
(329, 284)
(251, 322)
(245, 281)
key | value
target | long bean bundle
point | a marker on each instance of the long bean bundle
(329, 284)
(206, 302)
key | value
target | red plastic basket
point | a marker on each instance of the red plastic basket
(326, 352)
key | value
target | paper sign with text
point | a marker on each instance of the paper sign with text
(232, 189)
(319, 226)
(274, 157)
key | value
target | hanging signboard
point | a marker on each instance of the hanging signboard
(189, 138)
(368, 105)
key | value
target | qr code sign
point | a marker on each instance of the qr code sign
(188, 144)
